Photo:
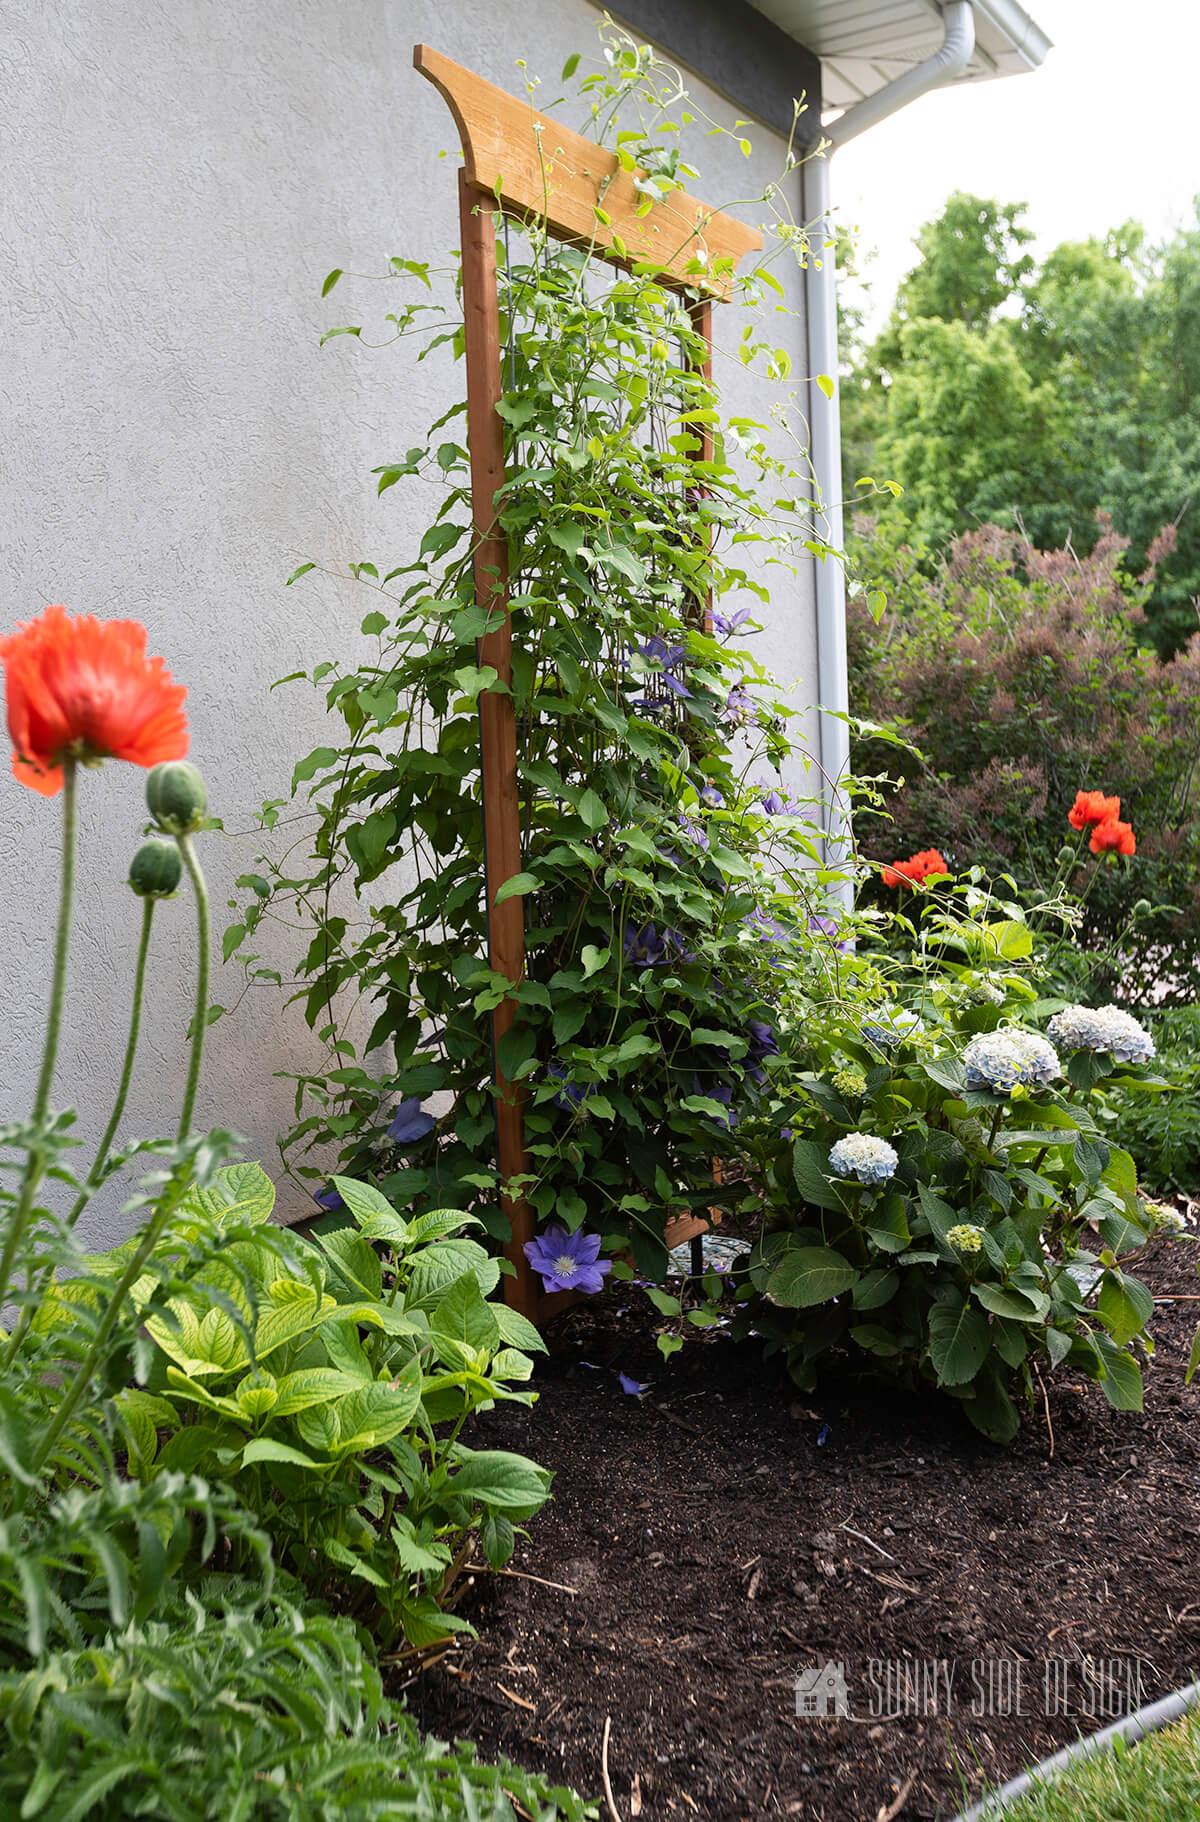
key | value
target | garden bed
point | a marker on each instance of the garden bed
(715, 1533)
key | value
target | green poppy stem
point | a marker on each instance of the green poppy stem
(200, 1016)
(36, 1163)
(86, 1371)
(91, 1181)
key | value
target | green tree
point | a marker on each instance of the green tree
(972, 261)
(968, 430)
(1043, 396)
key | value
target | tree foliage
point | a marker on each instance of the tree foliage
(1035, 394)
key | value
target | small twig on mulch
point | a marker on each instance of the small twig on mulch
(864, 1539)
(609, 1799)
(1046, 1406)
(521, 1575)
(892, 1810)
(518, 1699)
(892, 1581)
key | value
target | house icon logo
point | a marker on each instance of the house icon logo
(821, 1692)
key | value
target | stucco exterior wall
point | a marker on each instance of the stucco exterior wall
(180, 174)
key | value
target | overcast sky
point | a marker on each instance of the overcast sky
(1106, 129)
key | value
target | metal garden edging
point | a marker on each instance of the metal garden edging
(1130, 1729)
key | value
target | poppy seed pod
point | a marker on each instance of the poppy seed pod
(156, 869)
(176, 796)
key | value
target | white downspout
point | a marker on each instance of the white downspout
(949, 61)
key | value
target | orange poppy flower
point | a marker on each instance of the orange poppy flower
(916, 868)
(1091, 808)
(84, 689)
(1113, 837)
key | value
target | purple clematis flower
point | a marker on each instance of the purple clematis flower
(725, 624)
(568, 1262)
(571, 1095)
(693, 830)
(329, 1199)
(762, 1039)
(739, 706)
(644, 947)
(722, 1092)
(409, 1123)
(711, 796)
(770, 927)
(829, 926)
(763, 1043)
(776, 802)
(675, 942)
(671, 658)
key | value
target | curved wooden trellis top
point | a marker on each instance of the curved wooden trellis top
(538, 169)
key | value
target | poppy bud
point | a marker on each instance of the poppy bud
(1143, 908)
(176, 797)
(155, 869)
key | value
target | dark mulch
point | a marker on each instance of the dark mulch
(709, 1530)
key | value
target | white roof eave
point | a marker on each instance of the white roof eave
(865, 44)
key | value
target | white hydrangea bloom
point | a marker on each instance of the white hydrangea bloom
(1106, 1028)
(1004, 1060)
(859, 1155)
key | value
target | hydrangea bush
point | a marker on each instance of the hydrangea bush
(942, 1200)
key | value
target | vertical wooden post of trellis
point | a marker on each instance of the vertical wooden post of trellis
(700, 311)
(497, 720)
(544, 173)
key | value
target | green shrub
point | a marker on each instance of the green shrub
(1162, 1132)
(268, 1711)
(1018, 676)
(970, 1234)
(152, 1662)
(330, 1385)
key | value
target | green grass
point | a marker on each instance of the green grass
(1157, 1781)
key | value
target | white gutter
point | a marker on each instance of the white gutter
(946, 63)
(1024, 34)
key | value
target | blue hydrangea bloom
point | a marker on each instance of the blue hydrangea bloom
(1008, 1059)
(1108, 1028)
(889, 1030)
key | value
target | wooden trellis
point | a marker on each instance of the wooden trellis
(526, 165)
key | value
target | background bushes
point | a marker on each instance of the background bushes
(1018, 675)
